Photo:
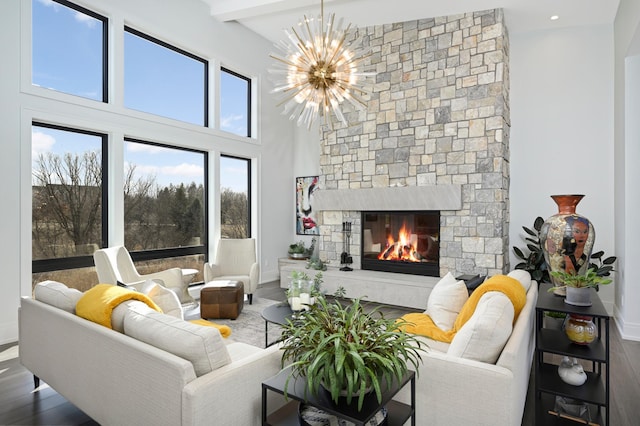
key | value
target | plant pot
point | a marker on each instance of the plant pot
(567, 238)
(578, 296)
(553, 323)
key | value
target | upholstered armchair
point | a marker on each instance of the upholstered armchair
(235, 260)
(114, 264)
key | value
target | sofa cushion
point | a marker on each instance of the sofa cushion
(117, 315)
(202, 346)
(484, 335)
(57, 294)
(446, 300)
(524, 277)
(166, 299)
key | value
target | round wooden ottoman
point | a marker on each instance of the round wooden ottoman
(221, 299)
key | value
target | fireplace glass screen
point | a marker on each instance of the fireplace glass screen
(402, 242)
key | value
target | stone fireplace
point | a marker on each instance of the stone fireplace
(434, 136)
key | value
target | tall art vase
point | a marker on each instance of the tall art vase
(567, 238)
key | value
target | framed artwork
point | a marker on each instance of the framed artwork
(306, 223)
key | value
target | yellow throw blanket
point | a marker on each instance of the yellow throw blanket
(422, 324)
(98, 303)
(225, 330)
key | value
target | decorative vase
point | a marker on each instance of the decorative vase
(578, 296)
(567, 238)
(571, 372)
(580, 329)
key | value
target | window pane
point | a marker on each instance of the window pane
(164, 197)
(235, 103)
(68, 50)
(234, 197)
(66, 193)
(161, 80)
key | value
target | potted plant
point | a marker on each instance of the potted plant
(298, 251)
(578, 286)
(340, 347)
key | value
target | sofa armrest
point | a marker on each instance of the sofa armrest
(452, 390)
(214, 395)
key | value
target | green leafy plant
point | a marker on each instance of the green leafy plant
(298, 248)
(571, 279)
(317, 281)
(533, 261)
(341, 348)
(602, 267)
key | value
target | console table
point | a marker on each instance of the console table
(397, 412)
(595, 391)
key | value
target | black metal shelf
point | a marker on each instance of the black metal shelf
(595, 391)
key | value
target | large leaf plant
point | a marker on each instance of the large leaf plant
(338, 346)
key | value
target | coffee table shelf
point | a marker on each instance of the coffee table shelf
(397, 412)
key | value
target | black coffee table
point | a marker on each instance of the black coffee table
(277, 314)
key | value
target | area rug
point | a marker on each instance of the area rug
(249, 326)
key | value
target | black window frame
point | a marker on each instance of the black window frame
(248, 80)
(164, 253)
(182, 52)
(63, 263)
(105, 48)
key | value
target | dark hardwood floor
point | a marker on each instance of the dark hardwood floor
(21, 404)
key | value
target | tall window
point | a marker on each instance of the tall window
(67, 196)
(235, 196)
(69, 48)
(164, 80)
(235, 103)
(164, 197)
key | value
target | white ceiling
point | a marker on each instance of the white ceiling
(270, 17)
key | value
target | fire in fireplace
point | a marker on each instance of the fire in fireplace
(401, 241)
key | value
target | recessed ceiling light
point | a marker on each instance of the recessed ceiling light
(554, 17)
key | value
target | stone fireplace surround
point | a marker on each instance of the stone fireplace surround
(434, 136)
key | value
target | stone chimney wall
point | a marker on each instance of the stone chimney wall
(438, 114)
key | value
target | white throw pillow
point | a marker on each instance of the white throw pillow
(523, 276)
(484, 335)
(56, 294)
(166, 299)
(202, 346)
(446, 300)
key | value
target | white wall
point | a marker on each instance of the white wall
(627, 173)
(562, 124)
(188, 25)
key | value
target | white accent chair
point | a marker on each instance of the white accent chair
(114, 264)
(235, 260)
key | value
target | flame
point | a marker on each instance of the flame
(403, 249)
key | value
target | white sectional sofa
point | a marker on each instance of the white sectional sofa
(118, 380)
(455, 390)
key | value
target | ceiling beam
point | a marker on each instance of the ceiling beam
(233, 10)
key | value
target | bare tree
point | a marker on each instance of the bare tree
(68, 190)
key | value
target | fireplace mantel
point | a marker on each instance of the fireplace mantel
(432, 197)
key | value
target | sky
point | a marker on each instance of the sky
(67, 57)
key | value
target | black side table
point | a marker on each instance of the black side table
(277, 314)
(397, 412)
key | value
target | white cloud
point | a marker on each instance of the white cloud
(185, 173)
(40, 143)
(230, 122)
(145, 148)
(85, 19)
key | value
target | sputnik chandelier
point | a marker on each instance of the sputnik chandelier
(319, 70)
